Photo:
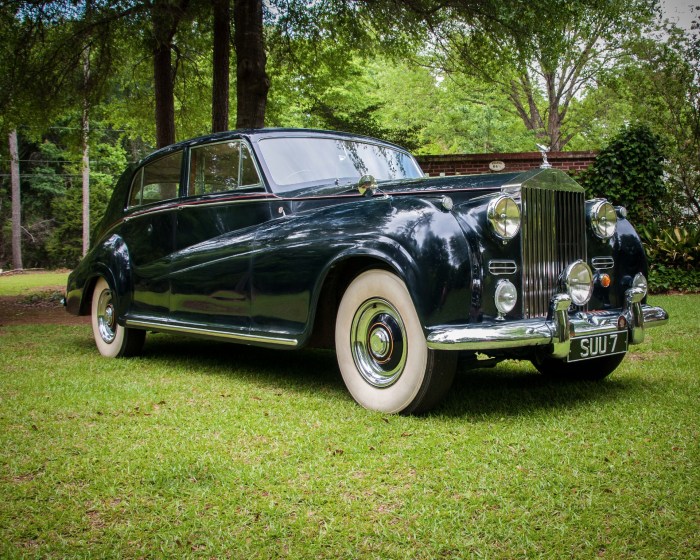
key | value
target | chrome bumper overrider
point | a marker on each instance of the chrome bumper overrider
(557, 330)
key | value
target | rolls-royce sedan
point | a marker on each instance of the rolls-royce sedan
(296, 238)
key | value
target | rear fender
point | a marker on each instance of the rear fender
(109, 260)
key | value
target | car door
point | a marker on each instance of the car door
(215, 235)
(149, 231)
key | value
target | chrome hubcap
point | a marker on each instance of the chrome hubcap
(106, 318)
(378, 342)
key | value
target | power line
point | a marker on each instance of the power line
(40, 175)
(77, 128)
(56, 160)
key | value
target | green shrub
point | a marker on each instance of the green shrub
(674, 257)
(629, 172)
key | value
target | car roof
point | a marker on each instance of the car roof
(254, 135)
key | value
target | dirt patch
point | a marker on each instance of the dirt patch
(23, 310)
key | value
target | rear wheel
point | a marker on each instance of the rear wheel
(112, 339)
(586, 370)
(381, 349)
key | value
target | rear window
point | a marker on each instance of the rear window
(157, 181)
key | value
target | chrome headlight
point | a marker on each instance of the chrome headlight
(640, 282)
(578, 282)
(504, 216)
(505, 297)
(603, 219)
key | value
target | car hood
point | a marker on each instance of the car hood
(423, 185)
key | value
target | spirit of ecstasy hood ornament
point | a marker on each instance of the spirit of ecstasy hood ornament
(543, 150)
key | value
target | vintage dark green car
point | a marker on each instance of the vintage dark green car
(296, 238)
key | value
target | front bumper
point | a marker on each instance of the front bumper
(555, 331)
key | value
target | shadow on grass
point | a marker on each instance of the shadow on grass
(515, 388)
(510, 389)
(298, 370)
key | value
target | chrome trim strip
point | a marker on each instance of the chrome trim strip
(180, 205)
(250, 338)
(151, 211)
(537, 332)
(240, 199)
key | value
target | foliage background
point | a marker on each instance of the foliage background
(369, 68)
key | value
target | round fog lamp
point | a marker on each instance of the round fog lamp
(506, 296)
(578, 282)
(640, 282)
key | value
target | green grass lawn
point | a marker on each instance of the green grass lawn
(19, 284)
(210, 450)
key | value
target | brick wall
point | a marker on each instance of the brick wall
(467, 164)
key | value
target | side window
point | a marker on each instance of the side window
(214, 168)
(249, 174)
(221, 167)
(159, 180)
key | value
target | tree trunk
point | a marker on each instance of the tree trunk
(220, 63)
(86, 180)
(165, 96)
(548, 129)
(252, 82)
(85, 126)
(165, 18)
(16, 203)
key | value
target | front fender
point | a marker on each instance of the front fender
(630, 257)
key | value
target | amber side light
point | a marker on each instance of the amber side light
(604, 280)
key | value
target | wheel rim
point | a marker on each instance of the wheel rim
(378, 342)
(106, 317)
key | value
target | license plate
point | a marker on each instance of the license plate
(587, 347)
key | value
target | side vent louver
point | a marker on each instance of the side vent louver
(602, 263)
(499, 268)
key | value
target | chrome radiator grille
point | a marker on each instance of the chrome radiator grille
(553, 236)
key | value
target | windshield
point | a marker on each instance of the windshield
(300, 160)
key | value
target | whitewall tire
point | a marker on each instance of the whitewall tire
(112, 339)
(381, 349)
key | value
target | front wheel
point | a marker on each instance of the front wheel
(112, 339)
(594, 369)
(381, 349)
